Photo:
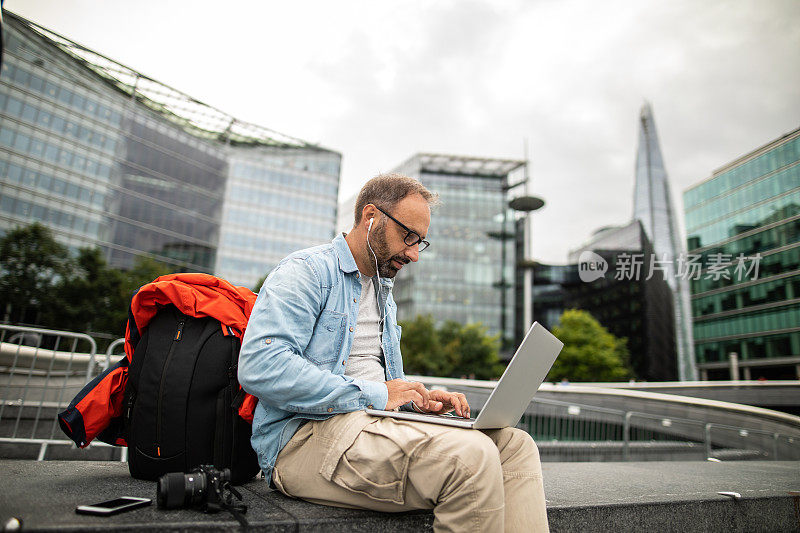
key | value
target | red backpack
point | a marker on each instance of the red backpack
(98, 409)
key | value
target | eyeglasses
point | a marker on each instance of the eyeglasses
(412, 237)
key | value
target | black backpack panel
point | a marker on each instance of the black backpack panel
(182, 399)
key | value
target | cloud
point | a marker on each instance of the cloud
(381, 81)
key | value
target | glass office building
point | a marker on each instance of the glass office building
(107, 157)
(467, 274)
(743, 226)
(632, 299)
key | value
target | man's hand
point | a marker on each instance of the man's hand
(401, 392)
(448, 401)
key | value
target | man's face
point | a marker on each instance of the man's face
(388, 238)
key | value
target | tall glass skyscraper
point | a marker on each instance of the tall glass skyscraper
(653, 207)
(467, 275)
(743, 224)
(107, 157)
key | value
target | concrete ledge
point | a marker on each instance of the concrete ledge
(661, 496)
(672, 496)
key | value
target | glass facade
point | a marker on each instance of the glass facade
(652, 206)
(749, 208)
(58, 141)
(460, 277)
(278, 200)
(108, 158)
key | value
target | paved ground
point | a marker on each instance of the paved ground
(661, 496)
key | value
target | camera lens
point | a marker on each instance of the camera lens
(176, 490)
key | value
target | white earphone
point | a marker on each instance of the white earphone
(377, 297)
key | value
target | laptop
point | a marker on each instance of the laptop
(512, 394)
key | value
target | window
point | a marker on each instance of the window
(51, 152)
(37, 148)
(51, 89)
(6, 137)
(65, 95)
(36, 83)
(29, 113)
(14, 173)
(21, 142)
(14, 106)
(44, 118)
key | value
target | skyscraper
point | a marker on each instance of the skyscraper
(653, 207)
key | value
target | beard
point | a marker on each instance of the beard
(386, 268)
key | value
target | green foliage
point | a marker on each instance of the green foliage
(259, 283)
(451, 350)
(30, 262)
(422, 349)
(75, 294)
(590, 352)
(145, 269)
(89, 298)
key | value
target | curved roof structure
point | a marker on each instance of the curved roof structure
(195, 117)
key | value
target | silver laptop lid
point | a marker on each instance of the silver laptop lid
(521, 379)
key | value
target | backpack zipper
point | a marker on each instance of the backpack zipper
(175, 339)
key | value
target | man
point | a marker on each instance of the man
(323, 344)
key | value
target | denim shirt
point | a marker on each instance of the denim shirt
(297, 342)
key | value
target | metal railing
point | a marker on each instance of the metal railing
(570, 431)
(41, 370)
(111, 357)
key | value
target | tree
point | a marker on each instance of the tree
(89, 298)
(145, 269)
(590, 352)
(452, 350)
(31, 262)
(473, 352)
(422, 349)
(40, 283)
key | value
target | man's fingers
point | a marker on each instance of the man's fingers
(462, 400)
(457, 401)
(413, 396)
(420, 388)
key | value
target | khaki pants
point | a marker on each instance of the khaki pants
(489, 480)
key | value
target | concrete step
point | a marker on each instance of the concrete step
(581, 497)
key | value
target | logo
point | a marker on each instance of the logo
(591, 266)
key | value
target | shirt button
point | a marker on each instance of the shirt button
(355, 300)
(351, 328)
(343, 362)
(330, 409)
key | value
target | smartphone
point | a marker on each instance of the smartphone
(117, 505)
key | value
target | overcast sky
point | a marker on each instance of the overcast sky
(380, 81)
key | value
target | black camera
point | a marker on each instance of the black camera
(205, 488)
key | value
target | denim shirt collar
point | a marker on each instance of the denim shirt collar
(347, 262)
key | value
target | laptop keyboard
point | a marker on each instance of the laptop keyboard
(446, 415)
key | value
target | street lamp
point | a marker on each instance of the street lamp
(527, 205)
(524, 204)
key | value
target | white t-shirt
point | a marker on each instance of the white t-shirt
(366, 354)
